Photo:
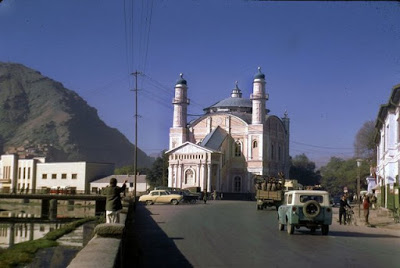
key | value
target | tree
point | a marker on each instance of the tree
(303, 170)
(364, 144)
(157, 175)
(339, 173)
(130, 170)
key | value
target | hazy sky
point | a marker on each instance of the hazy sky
(329, 64)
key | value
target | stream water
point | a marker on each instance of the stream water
(20, 222)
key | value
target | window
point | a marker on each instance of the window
(74, 176)
(54, 176)
(163, 193)
(19, 173)
(272, 151)
(238, 148)
(255, 145)
(29, 173)
(289, 199)
(189, 177)
(155, 193)
(279, 152)
(237, 184)
(44, 176)
(63, 176)
(305, 198)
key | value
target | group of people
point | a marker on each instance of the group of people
(269, 184)
(366, 203)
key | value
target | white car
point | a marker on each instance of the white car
(160, 196)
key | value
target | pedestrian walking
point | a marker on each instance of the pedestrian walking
(342, 209)
(373, 201)
(215, 195)
(205, 197)
(366, 208)
(113, 200)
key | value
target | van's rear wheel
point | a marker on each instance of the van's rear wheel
(149, 202)
(174, 202)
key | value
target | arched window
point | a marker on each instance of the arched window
(189, 177)
(238, 148)
(237, 184)
(255, 144)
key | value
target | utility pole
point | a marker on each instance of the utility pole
(136, 73)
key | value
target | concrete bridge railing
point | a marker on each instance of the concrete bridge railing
(105, 248)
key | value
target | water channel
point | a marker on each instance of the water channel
(20, 222)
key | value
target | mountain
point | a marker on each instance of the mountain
(39, 117)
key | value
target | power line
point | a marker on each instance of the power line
(322, 147)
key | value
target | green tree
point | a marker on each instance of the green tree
(364, 143)
(130, 170)
(339, 173)
(303, 170)
(157, 175)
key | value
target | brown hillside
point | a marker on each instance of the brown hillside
(40, 117)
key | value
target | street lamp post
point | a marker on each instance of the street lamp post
(358, 186)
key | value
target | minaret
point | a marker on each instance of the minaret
(178, 132)
(286, 123)
(258, 98)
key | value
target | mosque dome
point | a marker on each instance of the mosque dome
(259, 74)
(181, 80)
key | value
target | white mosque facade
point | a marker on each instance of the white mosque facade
(234, 140)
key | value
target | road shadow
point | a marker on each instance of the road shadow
(346, 234)
(148, 245)
(358, 234)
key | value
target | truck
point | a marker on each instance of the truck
(269, 191)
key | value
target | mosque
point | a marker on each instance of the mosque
(235, 139)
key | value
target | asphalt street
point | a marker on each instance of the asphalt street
(235, 234)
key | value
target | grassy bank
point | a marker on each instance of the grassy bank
(23, 253)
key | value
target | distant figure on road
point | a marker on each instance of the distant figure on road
(113, 200)
(215, 195)
(342, 209)
(205, 197)
(366, 208)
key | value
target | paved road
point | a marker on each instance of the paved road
(235, 234)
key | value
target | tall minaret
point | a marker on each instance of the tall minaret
(178, 132)
(286, 123)
(258, 98)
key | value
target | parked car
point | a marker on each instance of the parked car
(305, 208)
(188, 197)
(160, 196)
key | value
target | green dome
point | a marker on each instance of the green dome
(181, 80)
(259, 74)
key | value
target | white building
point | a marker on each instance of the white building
(32, 175)
(388, 144)
(234, 140)
(141, 183)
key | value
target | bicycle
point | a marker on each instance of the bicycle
(350, 219)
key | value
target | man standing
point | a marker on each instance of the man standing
(342, 209)
(366, 208)
(113, 200)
